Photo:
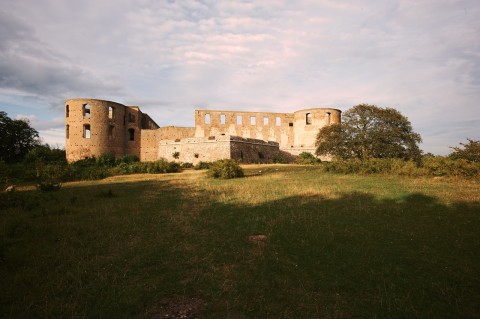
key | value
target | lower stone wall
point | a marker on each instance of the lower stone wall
(247, 150)
(194, 150)
(209, 149)
(149, 145)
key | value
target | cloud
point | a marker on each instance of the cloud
(169, 57)
(30, 65)
(39, 124)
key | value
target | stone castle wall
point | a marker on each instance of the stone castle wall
(208, 149)
(96, 127)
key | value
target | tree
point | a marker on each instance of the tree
(469, 152)
(17, 137)
(368, 131)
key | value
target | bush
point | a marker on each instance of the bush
(202, 165)
(107, 160)
(429, 166)
(470, 151)
(279, 160)
(187, 165)
(157, 167)
(307, 158)
(128, 159)
(225, 169)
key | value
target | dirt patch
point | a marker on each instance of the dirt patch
(179, 308)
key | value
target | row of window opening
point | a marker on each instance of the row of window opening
(86, 111)
(87, 133)
(253, 119)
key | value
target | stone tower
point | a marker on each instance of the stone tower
(96, 127)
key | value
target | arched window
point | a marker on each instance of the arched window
(131, 133)
(86, 131)
(207, 118)
(110, 112)
(253, 120)
(239, 120)
(67, 110)
(328, 118)
(111, 132)
(265, 120)
(86, 110)
(308, 119)
(67, 131)
(222, 118)
(278, 121)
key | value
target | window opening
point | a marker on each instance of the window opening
(265, 120)
(110, 113)
(278, 121)
(86, 110)
(67, 111)
(308, 118)
(222, 118)
(253, 120)
(67, 131)
(131, 133)
(86, 131)
(290, 124)
(239, 120)
(207, 118)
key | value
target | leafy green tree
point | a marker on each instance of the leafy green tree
(17, 137)
(368, 131)
(45, 153)
(469, 152)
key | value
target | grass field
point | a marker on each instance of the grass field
(338, 246)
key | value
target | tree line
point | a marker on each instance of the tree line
(368, 133)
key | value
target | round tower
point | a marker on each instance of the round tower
(308, 122)
(93, 128)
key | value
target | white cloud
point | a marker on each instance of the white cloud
(169, 56)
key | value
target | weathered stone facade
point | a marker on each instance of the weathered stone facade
(96, 127)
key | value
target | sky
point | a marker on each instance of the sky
(421, 57)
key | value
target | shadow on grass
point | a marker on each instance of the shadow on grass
(119, 250)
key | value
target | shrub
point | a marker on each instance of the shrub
(49, 187)
(176, 155)
(225, 169)
(128, 159)
(307, 158)
(202, 165)
(470, 151)
(187, 165)
(279, 160)
(157, 167)
(107, 160)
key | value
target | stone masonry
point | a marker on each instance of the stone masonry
(95, 127)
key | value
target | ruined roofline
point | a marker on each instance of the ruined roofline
(266, 112)
(90, 99)
(319, 108)
(134, 107)
(237, 111)
(176, 126)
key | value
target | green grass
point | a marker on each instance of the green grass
(339, 246)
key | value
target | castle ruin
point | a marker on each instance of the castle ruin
(96, 127)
